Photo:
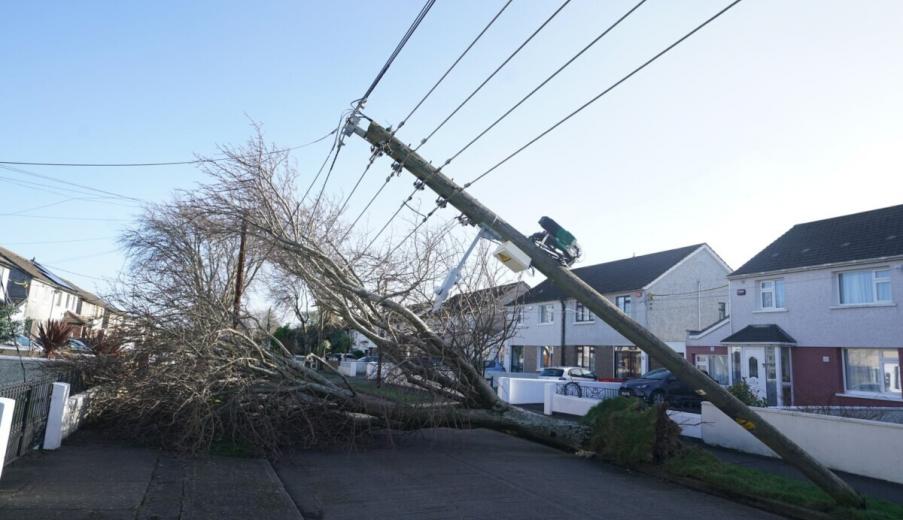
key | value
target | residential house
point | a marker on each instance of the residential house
(667, 292)
(816, 316)
(42, 295)
(478, 322)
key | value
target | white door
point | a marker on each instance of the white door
(752, 368)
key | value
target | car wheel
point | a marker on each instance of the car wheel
(657, 397)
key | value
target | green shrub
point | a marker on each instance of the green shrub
(744, 393)
(628, 432)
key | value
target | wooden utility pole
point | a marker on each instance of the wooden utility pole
(570, 284)
(239, 274)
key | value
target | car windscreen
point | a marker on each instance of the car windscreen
(551, 372)
(658, 373)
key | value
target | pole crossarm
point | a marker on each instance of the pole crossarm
(610, 314)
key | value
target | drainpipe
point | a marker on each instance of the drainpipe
(563, 319)
(698, 305)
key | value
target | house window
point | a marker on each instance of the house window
(736, 375)
(517, 358)
(715, 365)
(628, 362)
(623, 303)
(586, 357)
(518, 315)
(771, 294)
(753, 367)
(872, 371)
(722, 310)
(547, 313)
(548, 357)
(862, 287)
(59, 298)
(582, 314)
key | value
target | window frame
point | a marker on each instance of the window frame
(875, 281)
(582, 314)
(543, 314)
(625, 303)
(776, 285)
(883, 393)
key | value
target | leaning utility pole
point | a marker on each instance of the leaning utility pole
(239, 274)
(570, 284)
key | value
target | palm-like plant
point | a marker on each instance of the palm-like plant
(54, 335)
(103, 343)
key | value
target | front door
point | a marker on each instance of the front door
(752, 368)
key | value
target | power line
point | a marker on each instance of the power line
(82, 257)
(85, 219)
(404, 40)
(75, 273)
(35, 208)
(328, 155)
(452, 114)
(544, 82)
(414, 109)
(363, 99)
(49, 188)
(143, 164)
(60, 181)
(70, 241)
(454, 64)
(604, 92)
(496, 71)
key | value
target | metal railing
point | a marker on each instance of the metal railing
(586, 390)
(32, 407)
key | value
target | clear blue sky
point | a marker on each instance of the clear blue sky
(780, 112)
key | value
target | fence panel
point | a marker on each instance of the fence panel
(30, 415)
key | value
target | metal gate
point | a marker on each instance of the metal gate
(29, 416)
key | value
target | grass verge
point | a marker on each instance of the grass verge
(731, 479)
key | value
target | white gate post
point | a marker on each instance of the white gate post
(53, 433)
(549, 396)
(7, 408)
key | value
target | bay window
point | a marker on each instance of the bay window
(864, 287)
(873, 371)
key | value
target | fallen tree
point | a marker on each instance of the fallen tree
(193, 380)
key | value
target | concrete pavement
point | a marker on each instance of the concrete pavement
(92, 479)
(474, 474)
(428, 475)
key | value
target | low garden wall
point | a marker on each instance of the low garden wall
(514, 390)
(863, 447)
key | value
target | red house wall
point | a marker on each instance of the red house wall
(817, 382)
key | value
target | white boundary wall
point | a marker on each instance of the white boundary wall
(7, 407)
(66, 414)
(869, 448)
(690, 423)
(514, 390)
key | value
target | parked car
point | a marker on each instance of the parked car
(493, 366)
(660, 386)
(23, 343)
(77, 345)
(368, 359)
(567, 374)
